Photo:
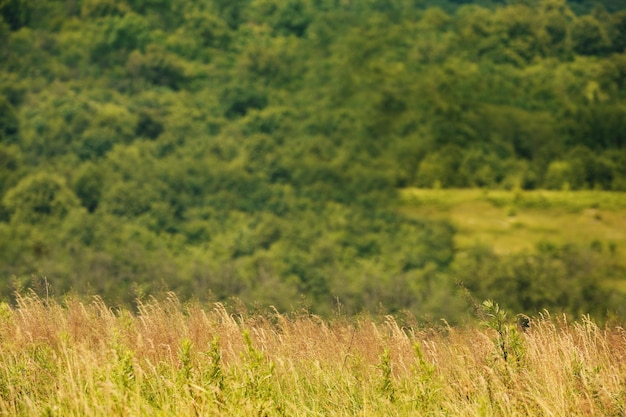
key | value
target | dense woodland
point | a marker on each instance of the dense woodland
(254, 148)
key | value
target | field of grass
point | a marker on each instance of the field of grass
(70, 358)
(513, 221)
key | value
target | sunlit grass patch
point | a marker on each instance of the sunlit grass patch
(574, 201)
(513, 221)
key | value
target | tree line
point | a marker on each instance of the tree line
(253, 148)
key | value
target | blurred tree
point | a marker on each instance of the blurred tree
(39, 198)
(88, 185)
(290, 17)
(10, 167)
(16, 13)
(476, 32)
(479, 169)
(599, 126)
(602, 172)
(101, 8)
(111, 124)
(518, 28)
(128, 199)
(148, 126)
(157, 7)
(237, 100)
(582, 162)
(10, 163)
(556, 19)
(233, 12)
(589, 36)
(564, 279)
(619, 32)
(617, 158)
(157, 67)
(208, 29)
(559, 175)
(9, 122)
(5, 32)
(441, 169)
(117, 36)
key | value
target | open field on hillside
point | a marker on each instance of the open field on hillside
(513, 221)
(84, 359)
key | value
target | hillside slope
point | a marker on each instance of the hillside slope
(254, 148)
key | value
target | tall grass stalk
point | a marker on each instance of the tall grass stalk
(73, 358)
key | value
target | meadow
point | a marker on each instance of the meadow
(68, 357)
(521, 220)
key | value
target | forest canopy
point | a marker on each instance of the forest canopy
(254, 148)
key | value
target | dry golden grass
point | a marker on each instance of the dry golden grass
(85, 359)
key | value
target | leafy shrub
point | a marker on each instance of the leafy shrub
(40, 197)
(553, 278)
(9, 123)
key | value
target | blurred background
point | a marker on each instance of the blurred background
(381, 155)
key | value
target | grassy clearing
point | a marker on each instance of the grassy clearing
(514, 221)
(85, 359)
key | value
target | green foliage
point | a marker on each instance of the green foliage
(11, 161)
(40, 198)
(111, 46)
(87, 185)
(290, 17)
(257, 374)
(441, 169)
(386, 383)
(101, 8)
(184, 357)
(209, 30)
(254, 148)
(215, 375)
(601, 126)
(559, 175)
(553, 278)
(15, 12)
(156, 67)
(508, 340)
(589, 37)
(231, 11)
(9, 123)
